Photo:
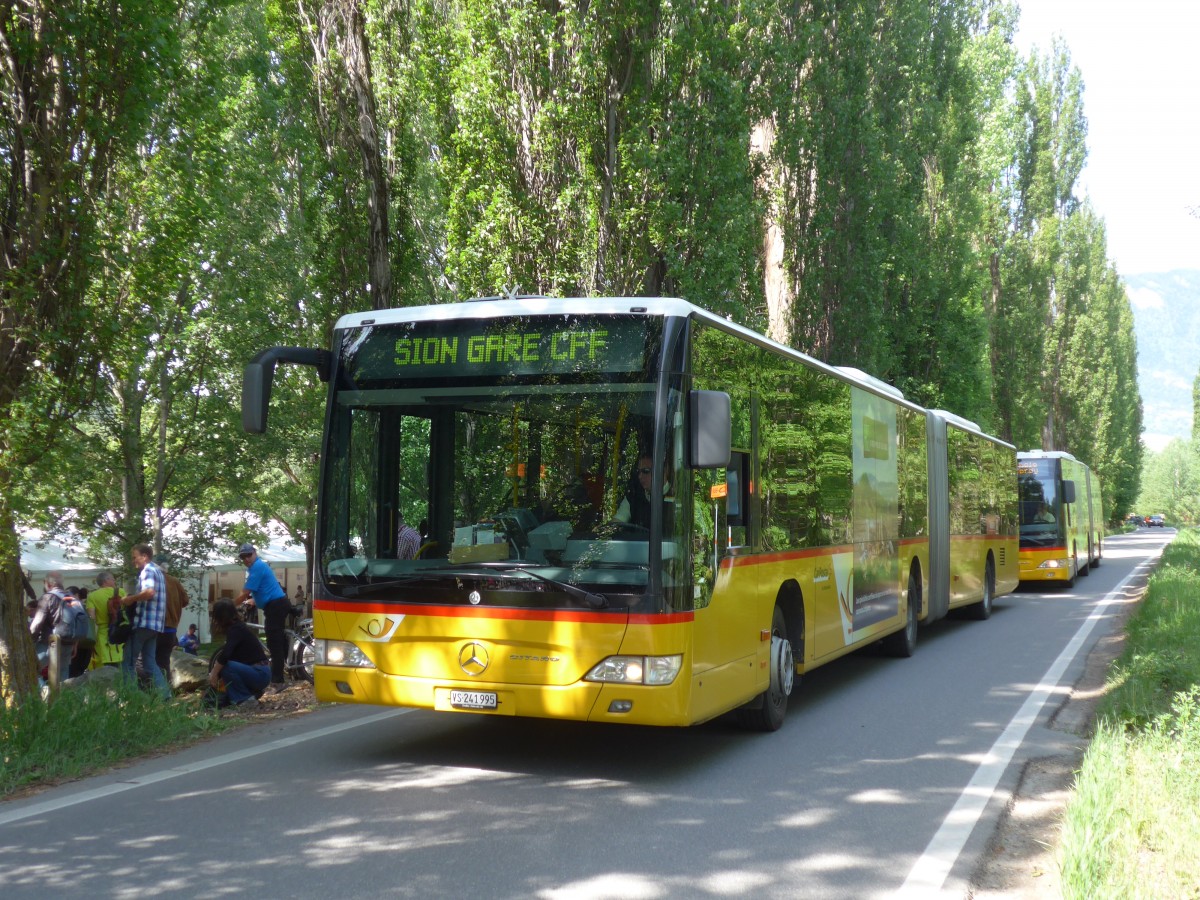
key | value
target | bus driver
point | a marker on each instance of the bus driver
(635, 505)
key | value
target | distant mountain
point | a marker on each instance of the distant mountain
(1166, 319)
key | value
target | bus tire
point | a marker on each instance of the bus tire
(982, 610)
(766, 712)
(1085, 569)
(1075, 570)
(903, 643)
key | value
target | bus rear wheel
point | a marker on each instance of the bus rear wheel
(766, 712)
(983, 609)
(903, 643)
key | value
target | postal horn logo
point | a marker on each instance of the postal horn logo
(473, 658)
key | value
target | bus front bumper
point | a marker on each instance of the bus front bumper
(583, 701)
(1052, 569)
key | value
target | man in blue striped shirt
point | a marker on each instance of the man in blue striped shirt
(149, 619)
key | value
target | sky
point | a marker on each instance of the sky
(1140, 62)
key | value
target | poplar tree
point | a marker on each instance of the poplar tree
(74, 94)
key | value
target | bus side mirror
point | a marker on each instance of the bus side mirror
(1068, 492)
(710, 429)
(260, 372)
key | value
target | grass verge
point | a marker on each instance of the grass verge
(92, 727)
(1132, 827)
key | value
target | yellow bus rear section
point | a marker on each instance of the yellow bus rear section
(968, 564)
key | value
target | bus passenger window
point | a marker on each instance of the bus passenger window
(737, 495)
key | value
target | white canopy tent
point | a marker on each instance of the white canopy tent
(41, 556)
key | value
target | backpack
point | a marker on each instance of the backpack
(71, 620)
(120, 623)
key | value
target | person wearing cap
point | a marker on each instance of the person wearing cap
(264, 589)
(190, 642)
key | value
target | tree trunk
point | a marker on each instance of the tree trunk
(776, 286)
(341, 24)
(18, 664)
(356, 54)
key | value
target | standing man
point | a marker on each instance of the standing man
(149, 616)
(101, 607)
(177, 599)
(271, 598)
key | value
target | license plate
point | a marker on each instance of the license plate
(473, 699)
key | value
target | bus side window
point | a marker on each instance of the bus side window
(737, 482)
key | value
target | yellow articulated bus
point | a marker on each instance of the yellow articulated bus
(1062, 517)
(625, 510)
(980, 523)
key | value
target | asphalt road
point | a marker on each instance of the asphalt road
(886, 780)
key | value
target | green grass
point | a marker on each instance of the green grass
(90, 728)
(1132, 826)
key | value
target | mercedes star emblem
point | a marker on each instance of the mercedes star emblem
(473, 658)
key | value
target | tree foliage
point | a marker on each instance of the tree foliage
(881, 183)
(1171, 484)
(74, 93)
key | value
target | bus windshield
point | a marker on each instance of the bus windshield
(1040, 506)
(472, 462)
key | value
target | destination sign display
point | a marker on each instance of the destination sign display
(498, 347)
(1037, 468)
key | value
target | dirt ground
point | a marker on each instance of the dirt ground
(1022, 863)
(296, 697)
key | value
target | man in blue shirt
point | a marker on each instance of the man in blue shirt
(271, 598)
(190, 642)
(149, 619)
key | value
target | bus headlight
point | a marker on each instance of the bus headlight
(636, 670)
(341, 653)
(1053, 564)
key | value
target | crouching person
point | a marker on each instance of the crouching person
(242, 663)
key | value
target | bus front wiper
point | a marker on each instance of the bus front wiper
(357, 590)
(590, 599)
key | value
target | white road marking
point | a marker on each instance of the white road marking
(928, 875)
(49, 806)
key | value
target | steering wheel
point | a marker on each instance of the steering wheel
(630, 531)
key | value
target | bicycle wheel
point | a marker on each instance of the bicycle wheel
(302, 658)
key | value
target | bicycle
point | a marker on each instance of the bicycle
(302, 654)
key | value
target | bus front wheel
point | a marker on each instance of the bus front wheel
(767, 710)
(1074, 570)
